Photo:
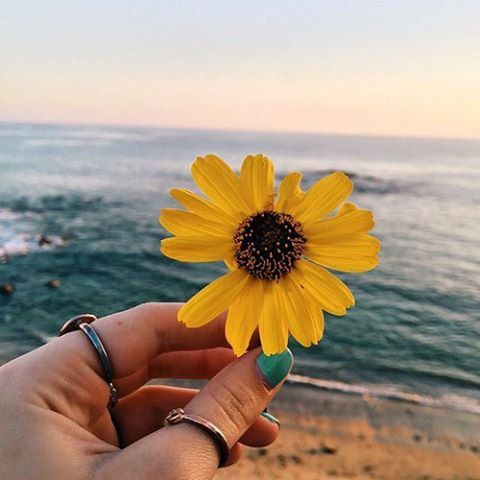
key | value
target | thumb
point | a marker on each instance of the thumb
(234, 398)
(232, 401)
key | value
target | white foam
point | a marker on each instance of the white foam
(7, 215)
(451, 401)
(14, 241)
(25, 243)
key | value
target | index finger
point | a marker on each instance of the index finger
(133, 337)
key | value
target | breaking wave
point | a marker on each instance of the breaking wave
(390, 392)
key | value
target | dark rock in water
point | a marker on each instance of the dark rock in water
(7, 288)
(55, 283)
(44, 240)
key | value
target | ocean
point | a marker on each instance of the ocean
(94, 194)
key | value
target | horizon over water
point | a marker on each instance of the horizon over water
(96, 191)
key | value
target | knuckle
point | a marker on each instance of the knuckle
(15, 378)
(238, 404)
(147, 308)
(207, 363)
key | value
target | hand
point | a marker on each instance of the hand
(54, 423)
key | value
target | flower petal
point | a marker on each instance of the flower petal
(202, 248)
(183, 223)
(271, 325)
(323, 197)
(212, 300)
(289, 192)
(322, 287)
(220, 183)
(355, 253)
(256, 179)
(243, 315)
(318, 321)
(230, 262)
(298, 315)
(193, 202)
(349, 220)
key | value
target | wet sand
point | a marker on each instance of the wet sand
(327, 435)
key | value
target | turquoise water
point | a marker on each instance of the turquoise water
(96, 192)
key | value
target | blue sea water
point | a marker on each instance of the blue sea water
(96, 192)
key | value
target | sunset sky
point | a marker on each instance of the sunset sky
(353, 66)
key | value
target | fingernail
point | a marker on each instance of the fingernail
(275, 368)
(270, 417)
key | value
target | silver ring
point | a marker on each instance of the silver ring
(178, 415)
(82, 322)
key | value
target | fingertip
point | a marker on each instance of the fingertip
(262, 433)
(271, 418)
(235, 455)
(274, 368)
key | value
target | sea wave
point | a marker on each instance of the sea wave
(25, 243)
(363, 183)
(73, 202)
(15, 238)
(7, 215)
(449, 401)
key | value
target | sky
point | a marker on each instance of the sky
(390, 67)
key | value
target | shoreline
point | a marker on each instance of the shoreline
(389, 392)
(336, 435)
(379, 411)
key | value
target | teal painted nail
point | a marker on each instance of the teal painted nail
(275, 368)
(270, 417)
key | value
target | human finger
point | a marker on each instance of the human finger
(134, 337)
(194, 365)
(143, 412)
(231, 401)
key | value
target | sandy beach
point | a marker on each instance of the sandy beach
(327, 435)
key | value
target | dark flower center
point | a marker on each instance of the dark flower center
(268, 244)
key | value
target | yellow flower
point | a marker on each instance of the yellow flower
(276, 249)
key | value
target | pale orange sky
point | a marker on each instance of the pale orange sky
(391, 68)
